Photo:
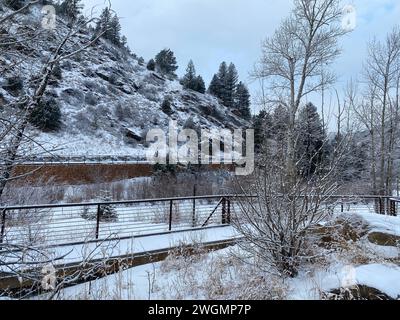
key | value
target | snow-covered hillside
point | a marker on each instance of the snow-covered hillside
(108, 98)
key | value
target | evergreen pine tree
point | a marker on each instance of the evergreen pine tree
(222, 72)
(103, 22)
(166, 63)
(352, 162)
(230, 84)
(115, 30)
(151, 65)
(46, 116)
(279, 130)
(124, 42)
(166, 106)
(189, 79)
(218, 83)
(215, 86)
(223, 84)
(109, 25)
(200, 85)
(14, 4)
(71, 9)
(222, 76)
(107, 213)
(242, 101)
(280, 122)
(262, 124)
(310, 140)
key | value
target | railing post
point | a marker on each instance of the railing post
(3, 225)
(392, 207)
(229, 218)
(224, 216)
(170, 215)
(389, 208)
(194, 207)
(98, 221)
(380, 205)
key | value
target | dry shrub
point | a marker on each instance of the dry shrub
(28, 195)
(346, 238)
(199, 274)
(182, 257)
(340, 233)
(118, 191)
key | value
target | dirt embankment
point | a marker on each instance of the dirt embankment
(61, 174)
(74, 174)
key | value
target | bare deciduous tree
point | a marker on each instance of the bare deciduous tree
(14, 129)
(379, 111)
(281, 205)
(296, 56)
(18, 42)
(275, 218)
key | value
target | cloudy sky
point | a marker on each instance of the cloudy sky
(211, 31)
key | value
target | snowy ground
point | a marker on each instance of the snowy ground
(140, 283)
(220, 275)
(384, 277)
(191, 279)
(380, 223)
(344, 271)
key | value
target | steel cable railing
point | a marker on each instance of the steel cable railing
(61, 224)
(72, 223)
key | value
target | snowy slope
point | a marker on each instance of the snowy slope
(108, 99)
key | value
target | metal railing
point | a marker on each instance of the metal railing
(383, 205)
(62, 224)
(106, 159)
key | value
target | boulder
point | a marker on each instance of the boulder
(206, 110)
(125, 89)
(103, 76)
(384, 239)
(157, 77)
(132, 135)
(3, 100)
(359, 292)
